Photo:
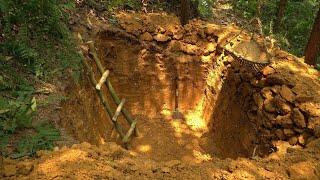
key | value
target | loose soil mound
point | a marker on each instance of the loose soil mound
(110, 161)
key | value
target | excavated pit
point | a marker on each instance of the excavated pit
(213, 122)
(228, 110)
(213, 118)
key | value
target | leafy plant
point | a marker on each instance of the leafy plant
(43, 139)
(16, 115)
(17, 112)
(205, 8)
(34, 34)
(109, 5)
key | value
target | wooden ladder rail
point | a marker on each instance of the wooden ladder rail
(103, 79)
(113, 115)
(110, 87)
(103, 100)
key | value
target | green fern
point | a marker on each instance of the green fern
(44, 138)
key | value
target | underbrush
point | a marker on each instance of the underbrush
(17, 107)
(35, 44)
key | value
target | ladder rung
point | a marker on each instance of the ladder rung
(102, 79)
(129, 133)
(119, 108)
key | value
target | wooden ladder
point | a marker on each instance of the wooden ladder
(120, 103)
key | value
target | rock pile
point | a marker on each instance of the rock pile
(285, 109)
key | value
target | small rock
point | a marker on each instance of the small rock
(202, 34)
(313, 142)
(266, 93)
(165, 170)
(210, 47)
(134, 168)
(317, 131)
(310, 108)
(269, 106)
(313, 122)
(303, 98)
(293, 141)
(191, 39)
(298, 130)
(275, 79)
(161, 38)
(168, 33)
(25, 168)
(286, 93)
(146, 37)
(285, 121)
(86, 145)
(282, 106)
(150, 28)
(302, 140)
(178, 34)
(41, 153)
(303, 170)
(161, 29)
(56, 148)
(173, 163)
(280, 54)
(190, 49)
(288, 132)
(298, 118)
(280, 134)
(210, 30)
(270, 116)
(268, 70)
(275, 89)
(261, 82)
(9, 170)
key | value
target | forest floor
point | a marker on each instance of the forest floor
(236, 124)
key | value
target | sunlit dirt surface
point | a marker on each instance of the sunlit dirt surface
(236, 123)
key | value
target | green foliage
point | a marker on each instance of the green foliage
(297, 21)
(17, 107)
(16, 111)
(109, 5)
(36, 35)
(43, 139)
(204, 8)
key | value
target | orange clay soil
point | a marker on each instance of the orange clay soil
(236, 123)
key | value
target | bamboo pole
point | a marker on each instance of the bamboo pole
(129, 133)
(103, 79)
(110, 87)
(118, 110)
(103, 100)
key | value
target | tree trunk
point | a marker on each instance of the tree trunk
(258, 10)
(313, 45)
(184, 11)
(281, 9)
